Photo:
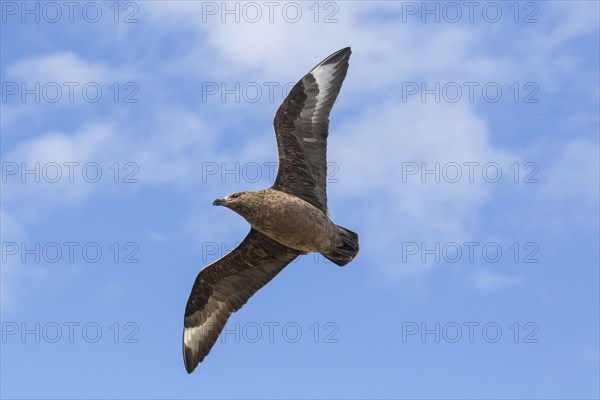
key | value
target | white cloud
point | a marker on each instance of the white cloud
(14, 273)
(488, 281)
(371, 150)
(568, 196)
(61, 67)
(11, 231)
(10, 228)
(280, 50)
(570, 19)
(575, 174)
(49, 155)
(373, 147)
(11, 114)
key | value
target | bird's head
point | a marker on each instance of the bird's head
(242, 203)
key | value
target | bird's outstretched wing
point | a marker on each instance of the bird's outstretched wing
(224, 287)
(301, 128)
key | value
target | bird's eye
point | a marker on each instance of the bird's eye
(235, 195)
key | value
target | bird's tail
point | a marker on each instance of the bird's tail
(347, 251)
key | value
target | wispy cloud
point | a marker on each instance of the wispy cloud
(488, 281)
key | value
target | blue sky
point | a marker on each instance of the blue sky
(463, 149)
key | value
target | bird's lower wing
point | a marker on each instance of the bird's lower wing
(224, 287)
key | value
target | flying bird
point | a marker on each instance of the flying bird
(287, 220)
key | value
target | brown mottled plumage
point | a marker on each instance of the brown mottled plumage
(273, 213)
(287, 220)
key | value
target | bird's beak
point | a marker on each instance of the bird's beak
(219, 202)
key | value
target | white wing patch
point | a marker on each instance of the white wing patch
(193, 336)
(323, 74)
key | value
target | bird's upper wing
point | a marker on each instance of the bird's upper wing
(224, 287)
(301, 128)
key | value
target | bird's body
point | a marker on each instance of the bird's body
(273, 212)
(287, 220)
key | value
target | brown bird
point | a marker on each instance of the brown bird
(287, 220)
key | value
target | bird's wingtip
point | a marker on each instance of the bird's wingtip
(189, 365)
(337, 57)
(342, 52)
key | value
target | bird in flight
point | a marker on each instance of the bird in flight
(287, 220)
